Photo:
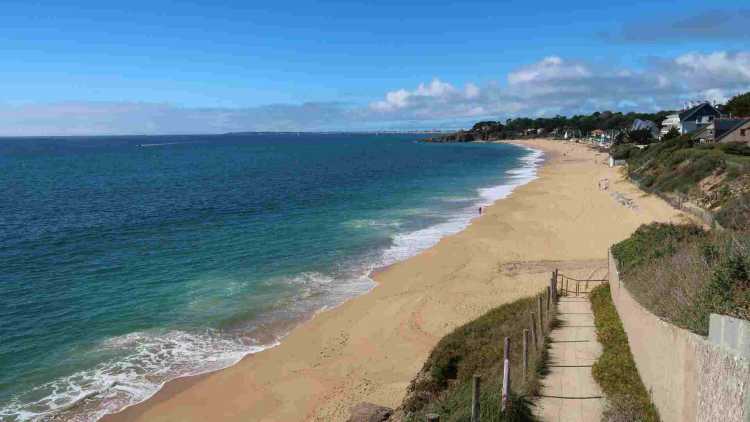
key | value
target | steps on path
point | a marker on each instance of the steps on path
(569, 392)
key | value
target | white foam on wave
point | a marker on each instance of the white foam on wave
(151, 360)
(406, 245)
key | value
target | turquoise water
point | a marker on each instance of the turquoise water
(129, 261)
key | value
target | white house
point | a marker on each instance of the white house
(672, 121)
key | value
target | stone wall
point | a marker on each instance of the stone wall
(689, 377)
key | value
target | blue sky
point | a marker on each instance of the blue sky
(93, 67)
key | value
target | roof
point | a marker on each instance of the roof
(723, 127)
(639, 124)
(685, 115)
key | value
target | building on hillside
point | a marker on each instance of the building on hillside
(734, 130)
(691, 119)
(725, 130)
(639, 124)
(698, 117)
(672, 121)
(704, 135)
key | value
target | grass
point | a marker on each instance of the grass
(444, 384)
(683, 274)
(615, 370)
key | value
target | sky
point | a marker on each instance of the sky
(166, 67)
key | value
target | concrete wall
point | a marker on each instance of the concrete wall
(690, 379)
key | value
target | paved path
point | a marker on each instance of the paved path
(569, 392)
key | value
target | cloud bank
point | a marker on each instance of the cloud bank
(552, 85)
(556, 85)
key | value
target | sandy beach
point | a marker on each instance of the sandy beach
(369, 348)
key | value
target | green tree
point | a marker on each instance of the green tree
(739, 105)
(673, 133)
(641, 136)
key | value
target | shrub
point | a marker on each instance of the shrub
(443, 385)
(672, 134)
(624, 151)
(683, 274)
(735, 214)
(736, 148)
(652, 241)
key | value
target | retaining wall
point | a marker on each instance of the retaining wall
(689, 378)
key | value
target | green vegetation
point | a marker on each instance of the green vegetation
(672, 134)
(712, 176)
(580, 124)
(738, 105)
(653, 242)
(640, 136)
(444, 384)
(683, 274)
(624, 151)
(615, 370)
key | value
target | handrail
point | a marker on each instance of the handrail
(575, 279)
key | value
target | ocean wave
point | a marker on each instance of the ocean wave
(452, 199)
(151, 359)
(362, 223)
(405, 245)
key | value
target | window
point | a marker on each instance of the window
(742, 132)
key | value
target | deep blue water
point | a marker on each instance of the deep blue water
(129, 261)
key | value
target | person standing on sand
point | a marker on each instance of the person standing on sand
(480, 210)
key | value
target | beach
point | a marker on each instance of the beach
(370, 347)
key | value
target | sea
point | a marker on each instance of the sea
(126, 262)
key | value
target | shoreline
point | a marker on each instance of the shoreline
(309, 366)
(100, 403)
(526, 172)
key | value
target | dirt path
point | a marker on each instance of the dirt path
(569, 392)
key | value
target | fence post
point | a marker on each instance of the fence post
(475, 399)
(506, 374)
(553, 283)
(549, 294)
(566, 287)
(553, 288)
(578, 283)
(541, 315)
(533, 329)
(587, 286)
(525, 354)
(433, 418)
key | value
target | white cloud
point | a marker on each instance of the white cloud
(549, 68)
(472, 91)
(715, 67)
(436, 88)
(556, 85)
(550, 86)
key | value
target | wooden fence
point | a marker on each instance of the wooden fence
(532, 337)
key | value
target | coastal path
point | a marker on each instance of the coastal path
(569, 391)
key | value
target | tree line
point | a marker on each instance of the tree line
(581, 125)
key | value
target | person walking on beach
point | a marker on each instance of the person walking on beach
(480, 210)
